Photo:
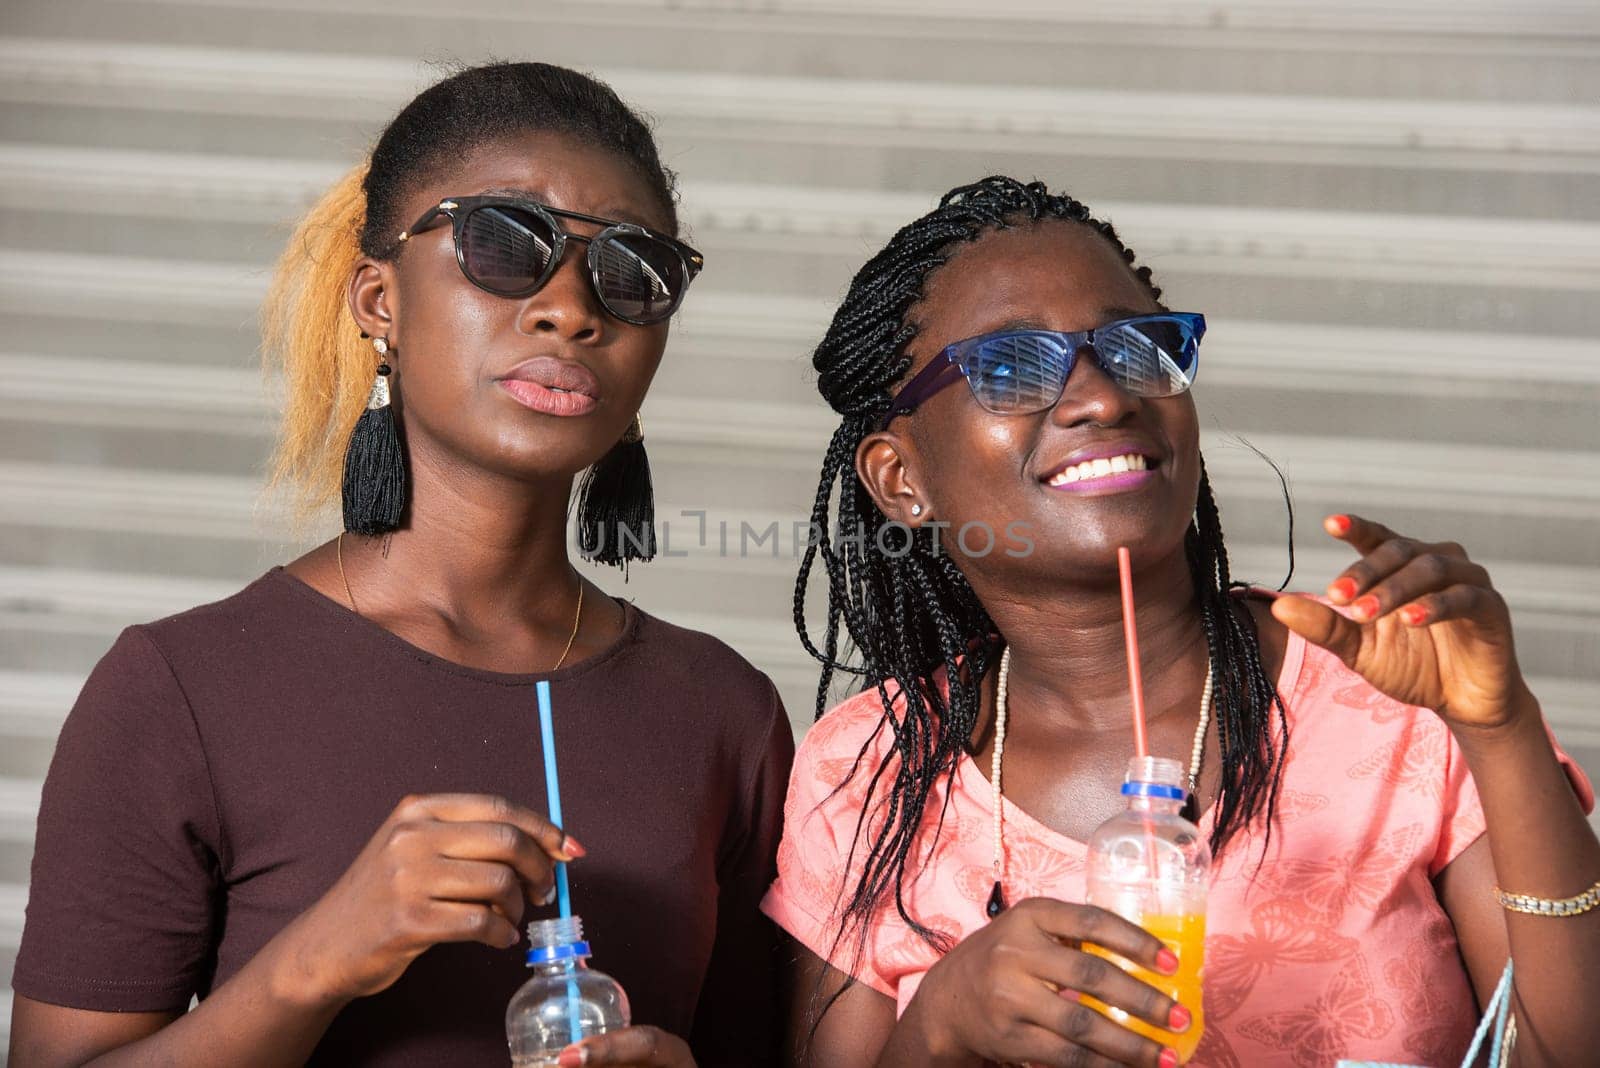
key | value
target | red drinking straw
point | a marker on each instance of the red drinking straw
(1130, 635)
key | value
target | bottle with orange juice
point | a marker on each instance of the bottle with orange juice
(1151, 866)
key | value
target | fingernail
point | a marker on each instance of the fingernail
(1178, 1019)
(573, 848)
(1367, 606)
(1343, 590)
(549, 895)
(573, 1056)
(1339, 524)
(1167, 960)
(1414, 614)
(1169, 1058)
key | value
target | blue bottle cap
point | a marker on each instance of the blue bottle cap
(1154, 789)
(550, 954)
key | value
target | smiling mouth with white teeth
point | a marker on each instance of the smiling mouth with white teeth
(1099, 468)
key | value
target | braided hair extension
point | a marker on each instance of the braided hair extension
(1244, 696)
(909, 611)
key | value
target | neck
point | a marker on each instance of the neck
(1069, 655)
(479, 547)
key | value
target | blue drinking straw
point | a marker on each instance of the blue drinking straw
(552, 787)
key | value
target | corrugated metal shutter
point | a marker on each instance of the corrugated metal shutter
(1390, 212)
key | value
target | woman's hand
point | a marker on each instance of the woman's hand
(441, 868)
(633, 1047)
(1008, 993)
(1427, 629)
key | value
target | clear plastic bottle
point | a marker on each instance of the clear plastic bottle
(564, 1001)
(1151, 866)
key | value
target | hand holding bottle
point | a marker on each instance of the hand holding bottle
(1008, 993)
(631, 1047)
(441, 868)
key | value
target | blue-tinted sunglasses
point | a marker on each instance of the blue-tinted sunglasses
(1017, 372)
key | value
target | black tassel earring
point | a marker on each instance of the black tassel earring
(617, 504)
(374, 488)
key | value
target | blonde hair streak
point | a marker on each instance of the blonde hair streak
(309, 336)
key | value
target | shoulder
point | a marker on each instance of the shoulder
(702, 675)
(154, 654)
(273, 602)
(833, 769)
(695, 648)
(844, 748)
(1347, 737)
(273, 645)
(850, 724)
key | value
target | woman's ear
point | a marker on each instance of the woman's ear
(370, 300)
(886, 465)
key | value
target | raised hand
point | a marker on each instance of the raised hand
(1008, 992)
(441, 868)
(1425, 626)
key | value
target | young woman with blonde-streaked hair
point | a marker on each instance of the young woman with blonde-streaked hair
(317, 805)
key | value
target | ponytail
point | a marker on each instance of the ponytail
(309, 336)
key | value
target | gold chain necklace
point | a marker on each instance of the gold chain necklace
(577, 617)
(997, 898)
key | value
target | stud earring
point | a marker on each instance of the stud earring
(916, 509)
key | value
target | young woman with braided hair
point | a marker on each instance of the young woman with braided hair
(318, 805)
(1003, 365)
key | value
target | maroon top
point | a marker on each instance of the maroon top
(223, 767)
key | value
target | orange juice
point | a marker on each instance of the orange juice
(1185, 936)
(1151, 866)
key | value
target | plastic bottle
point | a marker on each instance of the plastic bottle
(1151, 866)
(565, 1000)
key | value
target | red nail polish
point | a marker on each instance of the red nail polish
(1339, 523)
(1414, 614)
(1343, 590)
(1367, 606)
(1169, 1058)
(572, 847)
(1178, 1019)
(1167, 960)
(573, 1057)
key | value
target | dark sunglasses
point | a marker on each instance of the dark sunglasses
(510, 247)
(1018, 372)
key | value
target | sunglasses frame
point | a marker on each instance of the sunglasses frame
(948, 367)
(459, 209)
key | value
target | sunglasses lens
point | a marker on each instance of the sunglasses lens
(1016, 373)
(1154, 357)
(639, 277)
(506, 249)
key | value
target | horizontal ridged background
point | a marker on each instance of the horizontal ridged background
(1390, 213)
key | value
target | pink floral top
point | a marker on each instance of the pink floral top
(1335, 948)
